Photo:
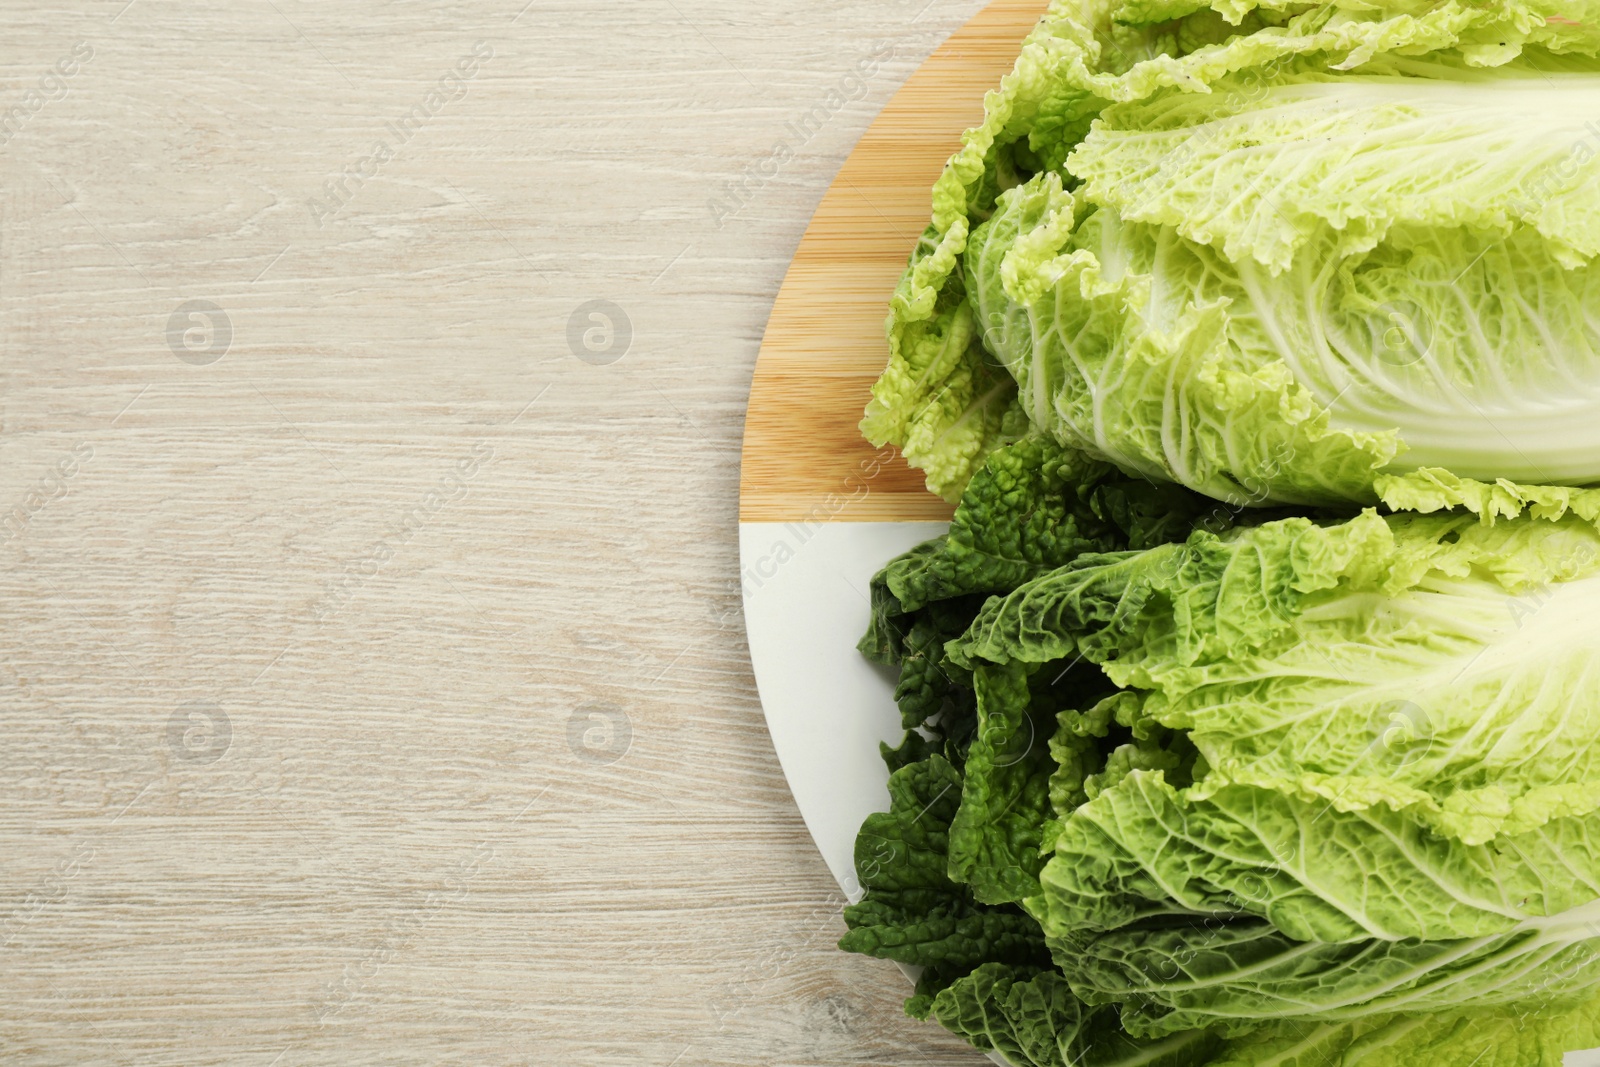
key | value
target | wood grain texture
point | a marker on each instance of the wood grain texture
(377, 692)
(824, 345)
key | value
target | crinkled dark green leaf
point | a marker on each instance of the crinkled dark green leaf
(911, 911)
(931, 687)
(913, 748)
(1034, 507)
(1032, 1018)
(996, 835)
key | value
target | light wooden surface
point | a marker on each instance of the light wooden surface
(377, 692)
(824, 344)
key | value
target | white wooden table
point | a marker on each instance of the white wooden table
(372, 677)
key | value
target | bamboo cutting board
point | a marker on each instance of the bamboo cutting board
(824, 345)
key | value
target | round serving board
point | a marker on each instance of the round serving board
(821, 510)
